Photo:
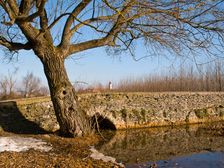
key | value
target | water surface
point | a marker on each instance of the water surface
(185, 146)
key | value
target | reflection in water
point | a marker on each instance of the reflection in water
(162, 145)
(201, 160)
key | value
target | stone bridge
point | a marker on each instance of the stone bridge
(119, 110)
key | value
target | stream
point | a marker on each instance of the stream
(200, 145)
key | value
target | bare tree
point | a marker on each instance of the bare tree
(31, 85)
(4, 87)
(184, 78)
(43, 91)
(7, 85)
(218, 76)
(180, 26)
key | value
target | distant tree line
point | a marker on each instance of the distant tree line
(208, 77)
(31, 86)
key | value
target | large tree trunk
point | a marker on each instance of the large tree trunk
(72, 119)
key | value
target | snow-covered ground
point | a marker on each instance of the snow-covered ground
(19, 144)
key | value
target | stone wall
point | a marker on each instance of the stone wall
(28, 116)
(128, 110)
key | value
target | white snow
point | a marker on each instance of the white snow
(100, 156)
(19, 144)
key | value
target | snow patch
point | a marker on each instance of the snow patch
(100, 156)
(20, 144)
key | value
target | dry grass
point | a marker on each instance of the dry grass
(23, 101)
(66, 153)
(210, 78)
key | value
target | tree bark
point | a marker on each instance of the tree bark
(72, 119)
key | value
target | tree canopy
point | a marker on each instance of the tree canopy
(176, 25)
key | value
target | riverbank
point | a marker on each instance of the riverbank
(65, 152)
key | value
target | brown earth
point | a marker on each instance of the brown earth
(66, 153)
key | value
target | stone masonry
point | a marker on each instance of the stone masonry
(127, 110)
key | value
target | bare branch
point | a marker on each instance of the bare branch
(107, 40)
(43, 14)
(91, 20)
(13, 5)
(177, 25)
(66, 32)
(121, 21)
(14, 46)
(57, 20)
(88, 45)
(29, 18)
(25, 7)
(10, 13)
